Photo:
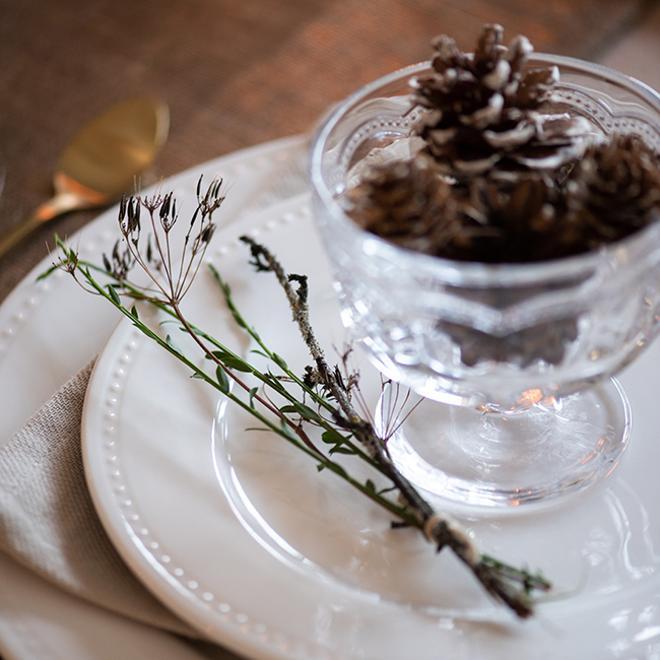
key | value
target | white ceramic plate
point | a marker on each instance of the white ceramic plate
(239, 535)
(40, 348)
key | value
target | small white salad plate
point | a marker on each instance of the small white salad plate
(238, 533)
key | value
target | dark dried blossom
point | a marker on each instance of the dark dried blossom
(204, 237)
(68, 263)
(168, 213)
(129, 216)
(120, 262)
(486, 110)
(212, 198)
(151, 202)
(170, 272)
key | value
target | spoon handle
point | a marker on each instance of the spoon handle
(58, 205)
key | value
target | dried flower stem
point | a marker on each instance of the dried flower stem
(288, 428)
(342, 427)
(439, 529)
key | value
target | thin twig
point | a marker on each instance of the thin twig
(437, 528)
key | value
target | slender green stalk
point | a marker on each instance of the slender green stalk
(241, 322)
(317, 398)
(135, 293)
(319, 457)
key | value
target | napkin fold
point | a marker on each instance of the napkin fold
(49, 525)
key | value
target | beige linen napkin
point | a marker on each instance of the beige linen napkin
(49, 525)
(47, 521)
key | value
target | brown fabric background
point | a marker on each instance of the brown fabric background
(235, 72)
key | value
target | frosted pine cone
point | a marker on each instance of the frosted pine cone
(485, 110)
(404, 202)
(488, 220)
(614, 190)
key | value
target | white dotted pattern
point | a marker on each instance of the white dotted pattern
(607, 119)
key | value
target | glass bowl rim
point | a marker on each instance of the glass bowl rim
(472, 273)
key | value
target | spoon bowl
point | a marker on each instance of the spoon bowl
(101, 162)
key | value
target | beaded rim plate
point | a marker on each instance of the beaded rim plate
(258, 176)
(330, 580)
(40, 349)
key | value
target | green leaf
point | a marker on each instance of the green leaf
(222, 379)
(253, 393)
(134, 312)
(112, 292)
(340, 470)
(232, 361)
(304, 411)
(280, 362)
(320, 467)
(198, 376)
(338, 449)
(47, 273)
(289, 409)
(371, 486)
(332, 437)
(389, 489)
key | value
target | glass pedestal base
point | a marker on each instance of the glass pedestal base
(494, 459)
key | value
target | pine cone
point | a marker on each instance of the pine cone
(487, 220)
(515, 219)
(614, 190)
(485, 110)
(522, 222)
(403, 202)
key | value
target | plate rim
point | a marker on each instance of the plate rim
(151, 573)
(233, 641)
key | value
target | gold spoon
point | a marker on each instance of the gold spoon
(101, 162)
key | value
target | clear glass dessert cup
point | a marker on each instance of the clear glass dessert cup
(514, 361)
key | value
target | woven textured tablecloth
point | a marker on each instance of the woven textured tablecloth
(234, 73)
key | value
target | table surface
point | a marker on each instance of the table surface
(239, 72)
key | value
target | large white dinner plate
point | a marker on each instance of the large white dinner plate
(50, 330)
(237, 532)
